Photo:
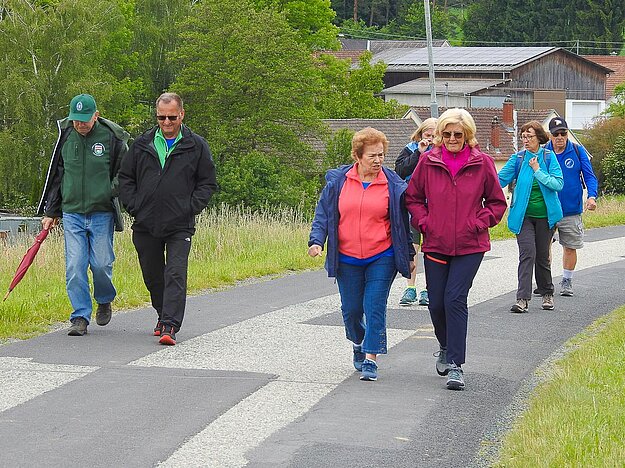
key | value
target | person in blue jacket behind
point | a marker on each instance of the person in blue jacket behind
(534, 211)
(577, 172)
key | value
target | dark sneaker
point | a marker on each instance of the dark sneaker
(103, 314)
(424, 298)
(548, 302)
(168, 335)
(409, 297)
(359, 357)
(536, 292)
(442, 368)
(567, 287)
(158, 328)
(520, 306)
(369, 370)
(78, 327)
(455, 378)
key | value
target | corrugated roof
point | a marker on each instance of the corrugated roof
(456, 86)
(461, 58)
(616, 64)
(377, 45)
(398, 132)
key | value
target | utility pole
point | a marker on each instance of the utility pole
(428, 35)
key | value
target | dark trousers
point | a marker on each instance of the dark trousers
(449, 280)
(164, 262)
(534, 243)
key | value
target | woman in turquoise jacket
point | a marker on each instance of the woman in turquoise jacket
(534, 211)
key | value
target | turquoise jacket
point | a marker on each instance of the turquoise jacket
(549, 178)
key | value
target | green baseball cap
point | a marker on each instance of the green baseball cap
(82, 108)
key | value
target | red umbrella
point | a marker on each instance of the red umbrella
(26, 261)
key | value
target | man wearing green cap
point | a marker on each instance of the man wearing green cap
(81, 189)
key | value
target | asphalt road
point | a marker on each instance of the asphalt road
(262, 377)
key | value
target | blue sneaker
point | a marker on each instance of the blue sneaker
(455, 380)
(359, 357)
(424, 298)
(369, 370)
(409, 297)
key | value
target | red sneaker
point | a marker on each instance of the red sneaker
(168, 335)
(158, 328)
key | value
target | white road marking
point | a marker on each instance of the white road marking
(23, 380)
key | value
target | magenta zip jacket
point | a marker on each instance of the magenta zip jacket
(454, 213)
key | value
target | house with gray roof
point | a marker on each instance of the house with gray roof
(534, 77)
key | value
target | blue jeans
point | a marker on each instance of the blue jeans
(449, 280)
(364, 292)
(88, 243)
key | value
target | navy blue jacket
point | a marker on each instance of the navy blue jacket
(325, 225)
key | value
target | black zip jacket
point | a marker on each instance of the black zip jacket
(165, 200)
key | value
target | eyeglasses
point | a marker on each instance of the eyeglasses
(456, 135)
(527, 137)
(172, 118)
(559, 133)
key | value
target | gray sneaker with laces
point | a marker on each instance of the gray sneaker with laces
(455, 378)
(566, 287)
(548, 302)
(442, 368)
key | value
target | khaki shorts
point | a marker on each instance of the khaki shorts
(571, 232)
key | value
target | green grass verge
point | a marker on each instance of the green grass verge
(610, 212)
(577, 416)
(230, 245)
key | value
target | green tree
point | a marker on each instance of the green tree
(413, 23)
(349, 93)
(311, 19)
(250, 91)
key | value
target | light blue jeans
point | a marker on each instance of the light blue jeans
(364, 292)
(88, 243)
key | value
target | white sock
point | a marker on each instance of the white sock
(567, 274)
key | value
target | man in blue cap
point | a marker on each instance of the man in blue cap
(577, 172)
(81, 189)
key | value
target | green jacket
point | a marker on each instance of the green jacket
(82, 177)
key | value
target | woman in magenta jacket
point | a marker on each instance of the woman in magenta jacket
(453, 198)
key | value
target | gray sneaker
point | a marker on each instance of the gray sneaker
(455, 378)
(442, 368)
(548, 302)
(78, 328)
(103, 314)
(567, 287)
(520, 306)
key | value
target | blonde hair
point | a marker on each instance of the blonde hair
(427, 123)
(367, 136)
(456, 116)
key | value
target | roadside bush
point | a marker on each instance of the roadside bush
(599, 141)
(613, 166)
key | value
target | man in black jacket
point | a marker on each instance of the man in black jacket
(167, 178)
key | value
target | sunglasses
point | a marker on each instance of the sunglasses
(559, 133)
(457, 135)
(172, 118)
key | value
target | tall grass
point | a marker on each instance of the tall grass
(230, 244)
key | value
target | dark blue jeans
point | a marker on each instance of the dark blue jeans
(449, 280)
(364, 292)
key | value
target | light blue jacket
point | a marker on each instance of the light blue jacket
(549, 179)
